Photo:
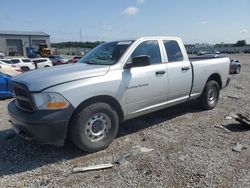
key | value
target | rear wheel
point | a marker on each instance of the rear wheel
(210, 95)
(94, 127)
(25, 69)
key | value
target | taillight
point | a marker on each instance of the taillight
(18, 70)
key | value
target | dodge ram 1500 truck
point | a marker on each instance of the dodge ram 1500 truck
(114, 82)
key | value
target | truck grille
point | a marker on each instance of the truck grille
(22, 96)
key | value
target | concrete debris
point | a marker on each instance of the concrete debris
(228, 117)
(233, 97)
(240, 87)
(145, 150)
(182, 157)
(122, 159)
(243, 119)
(233, 115)
(239, 147)
(92, 168)
(223, 128)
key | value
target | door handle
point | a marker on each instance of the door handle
(160, 72)
(185, 68)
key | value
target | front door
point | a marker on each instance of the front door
(146, 86)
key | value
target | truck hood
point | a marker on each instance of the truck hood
(40, 79)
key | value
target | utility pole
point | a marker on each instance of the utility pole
(80, 34)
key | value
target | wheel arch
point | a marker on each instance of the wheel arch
(216, 77)
(24, 67)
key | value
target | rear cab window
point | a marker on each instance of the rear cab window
(173, 50)
(26, 60)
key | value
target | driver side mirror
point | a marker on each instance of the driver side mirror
(139, 61)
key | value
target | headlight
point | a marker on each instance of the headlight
(50, 101)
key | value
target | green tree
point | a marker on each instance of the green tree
(240, 43)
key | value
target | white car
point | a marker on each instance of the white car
(42, 62)
(8, 68)
(24, 63)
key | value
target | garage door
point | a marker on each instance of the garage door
(36, 43)
(14, 46)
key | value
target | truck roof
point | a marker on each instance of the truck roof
(150, 38)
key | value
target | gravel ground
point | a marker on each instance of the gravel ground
(189, 149)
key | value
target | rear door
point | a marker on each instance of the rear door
(179, 71)
(147, 86)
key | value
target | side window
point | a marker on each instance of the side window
(173, 51)
(40, 61)
(14, 61)
(26, 60)
(149, 48)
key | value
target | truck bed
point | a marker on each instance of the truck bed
(206, 57)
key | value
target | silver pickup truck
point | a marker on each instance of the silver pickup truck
(114, 82)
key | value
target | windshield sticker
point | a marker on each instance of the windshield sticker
(124, 43)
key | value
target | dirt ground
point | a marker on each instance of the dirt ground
(190, 149)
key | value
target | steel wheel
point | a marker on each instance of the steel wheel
(237, 70)
(94, 127)
(97, 127)
(212, 95)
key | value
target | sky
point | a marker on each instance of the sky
(195, 21)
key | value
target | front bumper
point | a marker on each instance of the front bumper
(41, 126)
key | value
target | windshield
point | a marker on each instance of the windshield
(106, 53)
(6, 61)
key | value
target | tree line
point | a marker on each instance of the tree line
(239, 43)
(71, 44)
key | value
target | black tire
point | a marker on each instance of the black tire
(46, 66)
(81, 132)
(25, 69)
(237, 70)
(210, 95)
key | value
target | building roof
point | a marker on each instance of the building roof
(26, 33)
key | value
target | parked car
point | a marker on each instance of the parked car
(235, 66)
(24, 63)
(42, 62)
(76, 58)
(202, 52)
(5, 86)
(6, 67)
(114, 82)
(57, 60)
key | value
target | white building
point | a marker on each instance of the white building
(18, 41)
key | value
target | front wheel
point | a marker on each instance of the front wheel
(210, 95)
(94, 127)
(237, 71)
